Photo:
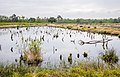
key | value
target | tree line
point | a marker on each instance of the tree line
(58, 19)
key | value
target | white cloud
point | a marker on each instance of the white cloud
(66, 8)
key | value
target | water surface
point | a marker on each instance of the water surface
(55, 42)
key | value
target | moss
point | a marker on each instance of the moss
(16, 74)
(28, 75)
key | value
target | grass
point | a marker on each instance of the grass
(83, 70)
(96, 28)
(110, 57)
(19, 24)
(33, 54)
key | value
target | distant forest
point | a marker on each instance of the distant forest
(58, 19)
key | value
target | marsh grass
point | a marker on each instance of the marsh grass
(88, 69)
(33, 54)
(110, 57)
(96, 28)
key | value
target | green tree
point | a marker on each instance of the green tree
(119, 19)
(115, 20)
(31, 20)
(77, 20)
(52, 20)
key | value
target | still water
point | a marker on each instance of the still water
(55, 42)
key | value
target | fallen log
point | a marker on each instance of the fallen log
(93, 41)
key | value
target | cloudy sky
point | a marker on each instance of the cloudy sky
(65, 8)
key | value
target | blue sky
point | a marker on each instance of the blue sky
(65, 8)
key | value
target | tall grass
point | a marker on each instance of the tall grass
(83, 70)
(33, 54)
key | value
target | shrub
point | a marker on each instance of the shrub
(110, 57)
(33, 54)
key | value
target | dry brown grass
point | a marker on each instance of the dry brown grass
(96, 28)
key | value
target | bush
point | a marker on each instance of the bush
(33, 54)
(52, 20)
(110, 57)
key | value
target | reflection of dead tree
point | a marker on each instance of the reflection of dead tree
(104, 44)
(91, 35)
(63, 39)
(12, 37)
(0, 48)
(11, 49)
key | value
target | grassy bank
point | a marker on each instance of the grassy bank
(19, 24)
(111, 29)
(84, 70)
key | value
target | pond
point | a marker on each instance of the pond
(57, 44)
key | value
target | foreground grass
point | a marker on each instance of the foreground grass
(85, 70)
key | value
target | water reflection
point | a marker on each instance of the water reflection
(78, 55)
(11, 49)
(0, 48)
(60, 57)
(11, 37)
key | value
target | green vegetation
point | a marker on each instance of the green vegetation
(84, 70)
(52, 20)
(19, 24)
(58, 19)
(102, 26)
(110, 57)
(33, 54)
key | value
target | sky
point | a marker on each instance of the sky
(65, 8)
